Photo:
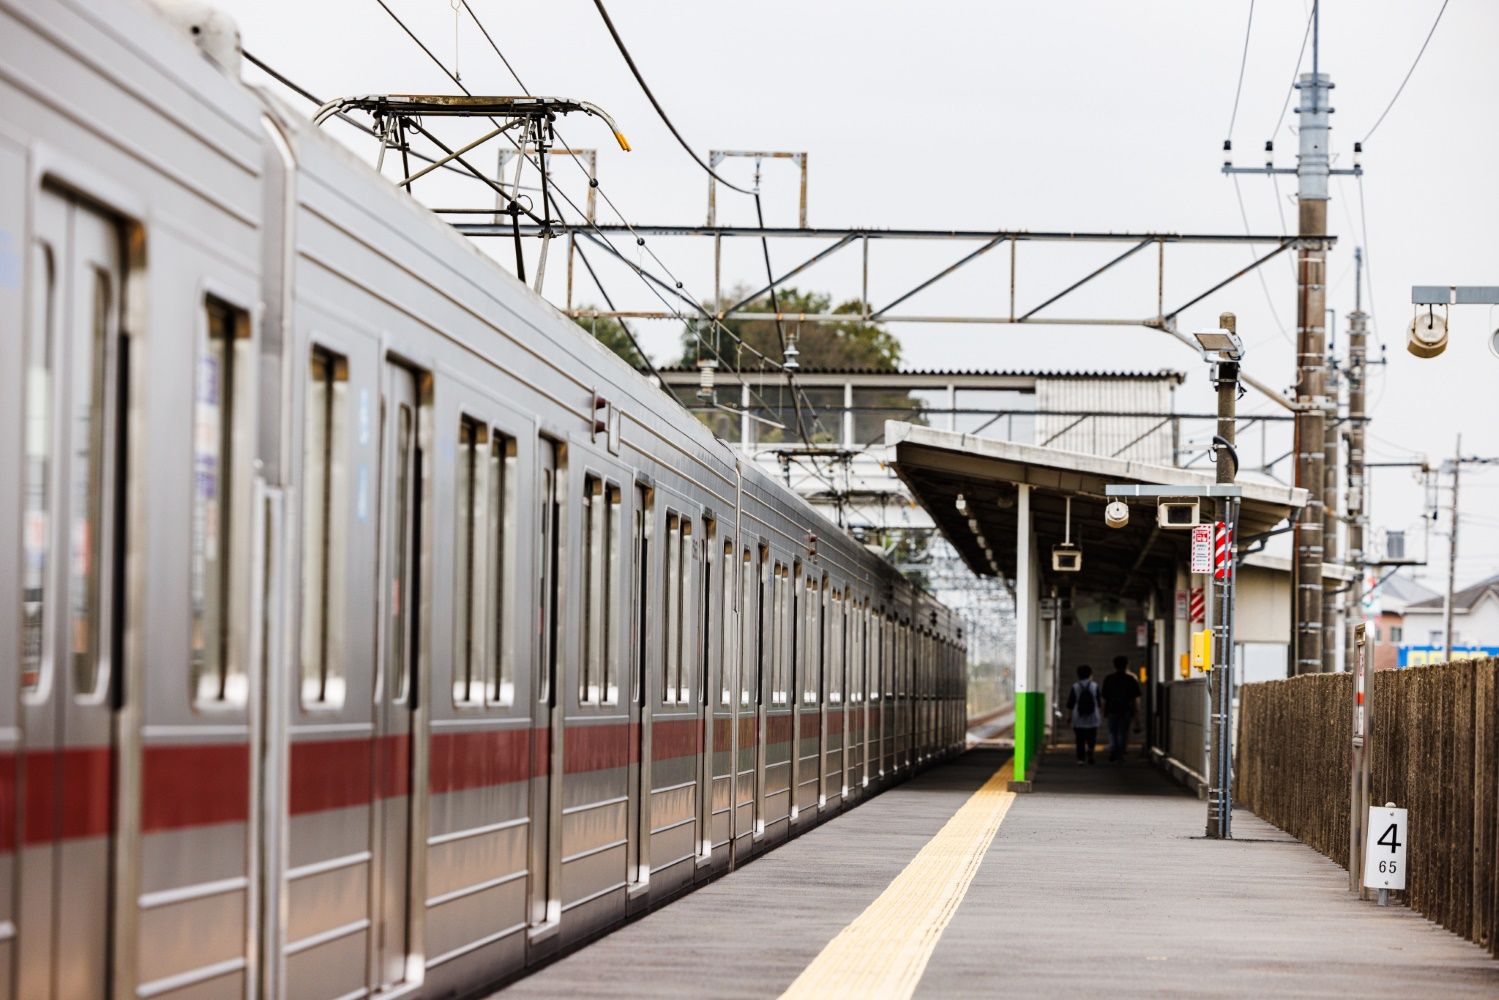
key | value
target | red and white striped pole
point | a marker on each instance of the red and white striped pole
(1223, 544)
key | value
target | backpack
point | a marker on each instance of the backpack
(1086, 703)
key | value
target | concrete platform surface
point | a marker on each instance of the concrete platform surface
(1098, 884)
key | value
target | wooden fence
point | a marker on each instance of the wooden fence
(1435, 751)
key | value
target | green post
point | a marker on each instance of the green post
(1030, 728)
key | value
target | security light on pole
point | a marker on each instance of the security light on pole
(1223, 345)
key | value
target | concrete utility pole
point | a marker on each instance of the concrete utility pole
(1311, 356)
(1358, 517)
(1457, 467)
(1331, 521)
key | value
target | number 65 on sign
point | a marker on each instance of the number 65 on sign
(1384, 852)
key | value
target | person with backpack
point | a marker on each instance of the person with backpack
(1084, 699)
(1121, 703)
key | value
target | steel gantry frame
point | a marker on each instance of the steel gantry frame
(840, 238)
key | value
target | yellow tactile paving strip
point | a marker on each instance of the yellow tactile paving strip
(884, 951)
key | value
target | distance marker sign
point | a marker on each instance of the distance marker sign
(1384, 854)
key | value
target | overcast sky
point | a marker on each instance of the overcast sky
(1087, 115)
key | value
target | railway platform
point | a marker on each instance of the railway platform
(1097, 883)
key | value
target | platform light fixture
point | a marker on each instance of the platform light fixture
(1223, 345)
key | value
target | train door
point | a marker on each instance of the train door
(71, 603)
(395, 679)
(545, 903)
(707, 683)
(637, 865)
(765, 645)
(747, 696)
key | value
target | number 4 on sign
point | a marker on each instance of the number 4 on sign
(1384, 855)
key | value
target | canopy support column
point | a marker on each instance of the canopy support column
(1030, 693)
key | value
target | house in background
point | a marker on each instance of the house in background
(1475, 625)
(1387, 610)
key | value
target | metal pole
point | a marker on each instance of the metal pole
(1457, 465)
(1311, 359)
(1220, 680)
(1357, 508)
(1359, 773)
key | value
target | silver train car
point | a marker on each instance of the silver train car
(369, 628)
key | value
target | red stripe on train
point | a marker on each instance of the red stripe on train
(185, 786)
(68, 794)
(80, 808)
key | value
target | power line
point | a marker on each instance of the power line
(639, 240)
(468, 171)
(645, 358)
(1243, 61)
(1300, 55)
(342, 116)
(635, 70)
(1259, 272)
(796, 394)
(1399, 90)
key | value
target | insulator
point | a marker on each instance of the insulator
(707, 370)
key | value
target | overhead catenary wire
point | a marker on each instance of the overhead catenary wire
(1407, 79)
(626, 328)
(1295, 73)
(796, 394)
(640, 241)
(468, 171)
(342, 116)
(1243, 62)
(1259, 272)
(676, 284)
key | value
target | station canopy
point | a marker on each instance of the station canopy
(938, 466)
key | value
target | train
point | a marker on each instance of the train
(371, 629)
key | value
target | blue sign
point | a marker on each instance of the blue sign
(1419, 656)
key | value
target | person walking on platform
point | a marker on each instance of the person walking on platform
(1083, 699)
(1121, 703)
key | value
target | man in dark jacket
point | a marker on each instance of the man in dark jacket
(1121, 701)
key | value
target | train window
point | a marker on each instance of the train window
(671, 586)
(686, 618)
(470, 600)
(776, 631)
(217, 677)
(836, 637)
(324, 492)
(854, 615)
(397, 583)
(892, 652)
(85, 536)
(751, 586)
(730, 662)
(678, 585)
(814, 641)
(37, 436)
(598, 684)
(501, 572)
(707, 641)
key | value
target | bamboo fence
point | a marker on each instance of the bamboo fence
(1434, 745)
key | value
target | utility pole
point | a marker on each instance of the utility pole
(1311, 355)
(1457, 466)
(1331, 433)
(1358, 517)
(1225, 374)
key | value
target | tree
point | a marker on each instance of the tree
(839, 345)
(850, 344)
(612, 334)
